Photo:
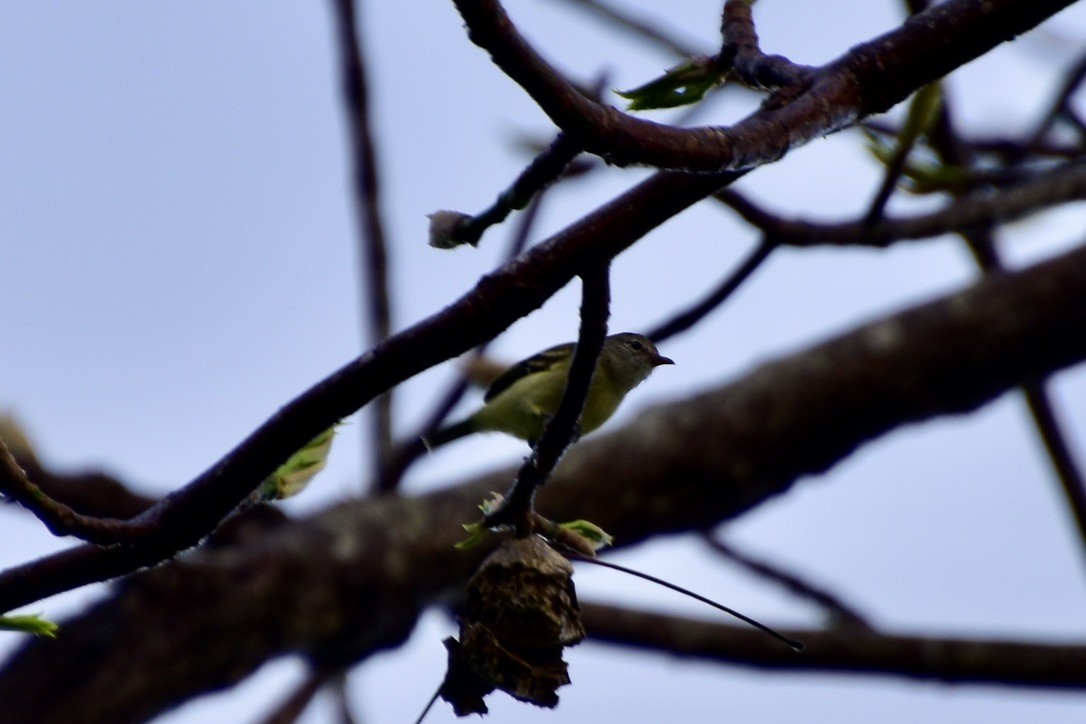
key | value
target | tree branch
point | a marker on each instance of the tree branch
(561, 430)
(948, 660)
(352, 580)
(869, 78)
(1043, 190)
(373, 250)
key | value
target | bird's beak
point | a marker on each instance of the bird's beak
(659, 359)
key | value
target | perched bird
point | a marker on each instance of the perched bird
(526, 396)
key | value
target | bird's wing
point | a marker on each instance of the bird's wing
(535, 363)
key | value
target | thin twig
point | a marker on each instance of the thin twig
(937, 659)
(58, 518)
(922, 111)
(561, 429)
(687, 318)
(981, 242)
(642, 29)
(1060, 107)
(1042, 190)
(373, 251)
(840, 611)
(544, 170)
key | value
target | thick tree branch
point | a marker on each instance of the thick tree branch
(352, 580)
(869, 78)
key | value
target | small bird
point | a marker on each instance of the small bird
(522, 400)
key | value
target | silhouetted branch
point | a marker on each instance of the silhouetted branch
(982, 243)
(295, 704)
(412, 448)
(742, 55)
(561, 429)
(687, 318)
(58, 518)
(544, 170)
(619, 18)
(373, 250)
(942, 659)
(840, 612)
(1043, 190)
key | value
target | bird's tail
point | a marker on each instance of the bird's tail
(449, 433)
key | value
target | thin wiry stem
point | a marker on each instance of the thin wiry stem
(373, 251)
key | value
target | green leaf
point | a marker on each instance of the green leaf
(683, 85)
(294, 475)
(597, 536)
(30, 624)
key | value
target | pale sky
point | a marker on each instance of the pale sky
(179, 260)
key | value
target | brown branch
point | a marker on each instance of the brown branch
(294, 705)
(981, 242)
(869, 79)
(561, 429)
(373, 249)
(948, 660)
(544, 170)
(841, 613)
(1060, 107)
(1041, 191)
(743, 56)
(501, 298)
(690, 316)
(352, 580)
(59, 519)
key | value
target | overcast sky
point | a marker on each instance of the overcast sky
(179, 259)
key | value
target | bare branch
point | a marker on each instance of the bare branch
(373, 251)
(949, 660)
(561, 430)
(687, 318)
(1043, 190)
(840, 612)
(868, 79)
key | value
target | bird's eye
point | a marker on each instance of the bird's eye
(637, 346)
